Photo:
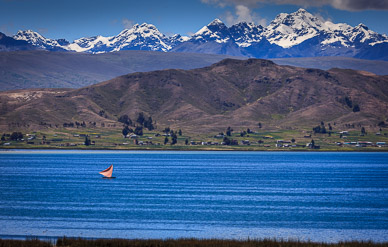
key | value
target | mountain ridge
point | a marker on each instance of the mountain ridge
(298, 34)
(43, 69)
(228, 93)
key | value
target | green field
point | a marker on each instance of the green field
(265, 140)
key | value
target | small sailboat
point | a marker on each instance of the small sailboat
(107, 173)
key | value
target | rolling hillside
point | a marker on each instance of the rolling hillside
(228, 93)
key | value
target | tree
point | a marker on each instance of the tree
(356, 108)
(180, 132)
(348, 102)
(320, 129)
(292, 140)
(165, 140)
(186, 141)
(363, 132)
(148, 124)
(227, 141)
(125, 120)
(140, 119)
(16, 136)
(166, 130)
(259, 125)
(229, 131)
(174, 139)
(87, 141)
(312, 143)
(125, 131)
(3, 137)
(381, 124)
(139, 131)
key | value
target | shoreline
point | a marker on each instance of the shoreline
(181, 242)
(345, 150)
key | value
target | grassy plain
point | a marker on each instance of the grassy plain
(260, 140)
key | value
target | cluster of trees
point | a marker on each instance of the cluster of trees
(322, 129)
(146, 123)
(77, 124)
(228, 141)
(141, 122)
(102, 114)
(382, 124)
(348, 101)
(138, 130)
(15, 136)
(173, 135)
(246, 133)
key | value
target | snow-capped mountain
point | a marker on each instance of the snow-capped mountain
(215, 31)
(296, 34)
(139, 37)
(288, 30)
(11, 44)
(244, 34)
(41, 42)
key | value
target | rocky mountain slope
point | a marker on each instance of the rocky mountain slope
(231, 92)
(298, 34)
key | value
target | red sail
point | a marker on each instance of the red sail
(107, 172)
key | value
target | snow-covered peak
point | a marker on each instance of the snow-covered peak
(362, 34)
(214, 31)
(143, 37)
(300, 28)
(38, 40)
(144, 30)
(30, 36)
(287, 30)
(216, 22)
(362, 26)
(245, 33)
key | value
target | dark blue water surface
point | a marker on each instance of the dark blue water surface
(308, 196)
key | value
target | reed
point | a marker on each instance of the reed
(78, 242)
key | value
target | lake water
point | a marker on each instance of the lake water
(308, 196)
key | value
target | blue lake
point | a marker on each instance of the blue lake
(326, 197)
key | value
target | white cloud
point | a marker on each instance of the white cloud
(243, 13)
(127, 23)
(351, 5)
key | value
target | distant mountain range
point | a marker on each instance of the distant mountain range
(237, 93)
(42, 69)
(299, 34)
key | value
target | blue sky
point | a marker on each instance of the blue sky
(72, 19)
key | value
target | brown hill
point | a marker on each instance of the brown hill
(228, 93)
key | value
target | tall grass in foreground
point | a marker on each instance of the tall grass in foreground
(78, 242)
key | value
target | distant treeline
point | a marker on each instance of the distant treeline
(78, 242)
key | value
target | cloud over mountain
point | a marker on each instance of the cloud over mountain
(350, 5)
